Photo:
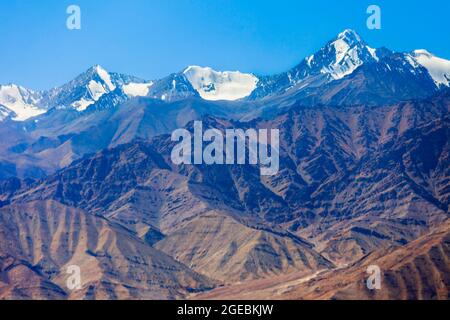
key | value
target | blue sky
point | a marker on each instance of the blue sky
(153, 38)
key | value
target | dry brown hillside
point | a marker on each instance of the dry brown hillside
(417, 271)
(39, 240)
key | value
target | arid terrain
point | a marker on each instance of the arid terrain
(364, 179)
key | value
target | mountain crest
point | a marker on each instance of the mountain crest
(412, 74)
(345, 54)
(19, 103)
(351, 37)
(438, 68)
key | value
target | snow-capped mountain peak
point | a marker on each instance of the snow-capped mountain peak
(217, 85)
(340, 58)
(350, 37)
(344, 55)
(20, 101)
(85, 90)
(438, 68)
(423, 52)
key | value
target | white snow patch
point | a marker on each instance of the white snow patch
(96, 90)
(82, 104)
(215, 85)
(347, 55)
(345, 64)
(137, 89)
(438, 68)
(341, 48)
(349, 32)
(373, 53)
(104, 75)
(20, 101)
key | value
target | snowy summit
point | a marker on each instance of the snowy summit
(439, 69)
(20, 101)
(346, 54)
(216, 85)
(341, 57)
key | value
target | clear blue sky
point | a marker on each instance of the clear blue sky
(152, 38)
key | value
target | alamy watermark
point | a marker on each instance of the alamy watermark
(73, 21)
(374, 280)
(374, 20)
(235, 146)
(74, 280)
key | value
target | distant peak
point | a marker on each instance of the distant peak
(199, 69)
(104, 75)
(349, 36)
(343, 55)
(196, 68)
(96, 69)
(100, 69)
(8, 85)
(438, 68)
(423, 52)
(14, 86)
(348, 32)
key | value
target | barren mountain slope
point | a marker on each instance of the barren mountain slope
(159, 203)
(222, 248)
(351, 180)
(41, 239)
(418, 270)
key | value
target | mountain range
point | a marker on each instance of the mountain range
(50, 129)
(347, 56)
(86, 179)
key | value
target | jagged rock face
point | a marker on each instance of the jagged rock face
(40, 240)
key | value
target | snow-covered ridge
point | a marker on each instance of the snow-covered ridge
(99, 85)
(97, 82)
(216, 85)
(350, 53)
(85, 90)
(438, 68)
(104, 75)
(22, 102)
(337, 60)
